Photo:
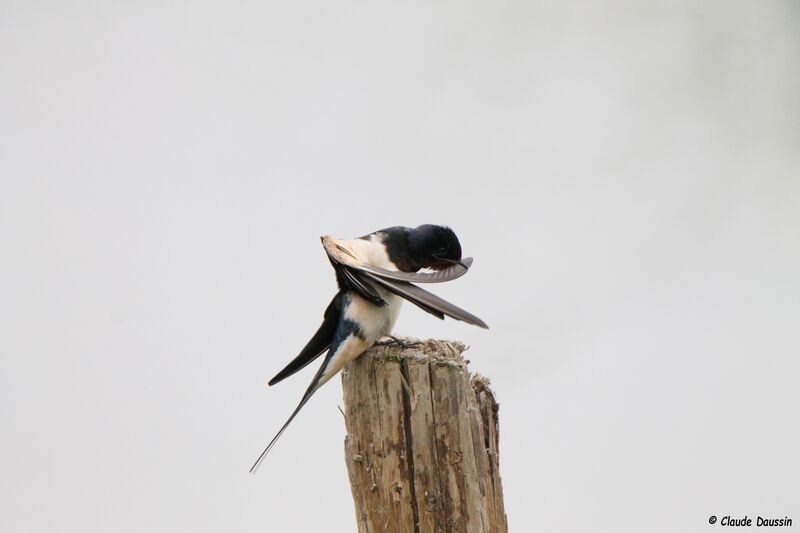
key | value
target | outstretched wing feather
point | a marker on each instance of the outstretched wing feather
(425, 300)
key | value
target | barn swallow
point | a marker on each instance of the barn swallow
(375, 274)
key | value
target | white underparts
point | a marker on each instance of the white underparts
(374, 321)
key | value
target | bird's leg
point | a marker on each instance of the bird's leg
(394, 341)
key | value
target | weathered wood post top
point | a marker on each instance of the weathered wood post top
(422, 441)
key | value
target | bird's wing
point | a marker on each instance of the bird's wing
(439, 276)
(320, 342)
(340, 255)
(348, 281)
(425, 300)
(349, 266)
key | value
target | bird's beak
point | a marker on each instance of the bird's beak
(453, 261)
(460, 262)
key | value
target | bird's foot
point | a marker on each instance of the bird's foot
(394, 341)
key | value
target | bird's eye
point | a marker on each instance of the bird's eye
(442, 249)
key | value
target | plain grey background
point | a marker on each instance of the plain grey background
(626, 175)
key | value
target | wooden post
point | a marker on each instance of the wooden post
(422, 442)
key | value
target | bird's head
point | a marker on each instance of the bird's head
(435, 247)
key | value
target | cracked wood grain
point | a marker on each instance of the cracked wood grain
(422, 442)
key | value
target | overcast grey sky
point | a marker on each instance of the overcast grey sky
(626, 175)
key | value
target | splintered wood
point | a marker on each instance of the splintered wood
(422, 442)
